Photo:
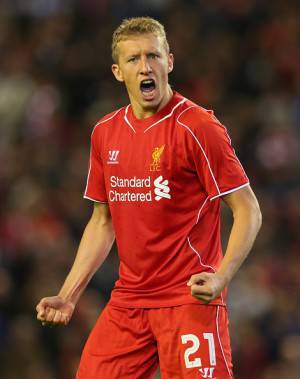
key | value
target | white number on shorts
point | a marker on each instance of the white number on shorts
(196, 344)
(211, 348)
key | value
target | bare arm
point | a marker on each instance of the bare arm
(246, 224)
(94, 247)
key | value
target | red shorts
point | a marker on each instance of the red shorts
(187, 341)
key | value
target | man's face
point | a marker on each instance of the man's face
(143, 66)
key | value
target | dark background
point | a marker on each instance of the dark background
(239, 57)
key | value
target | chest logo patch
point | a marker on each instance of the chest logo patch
(156, 154)
(113, 156)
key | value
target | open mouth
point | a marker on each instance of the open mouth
(147, 85)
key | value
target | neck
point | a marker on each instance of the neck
(141, 112)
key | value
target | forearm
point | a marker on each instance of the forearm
(247, 222)
(94, 247)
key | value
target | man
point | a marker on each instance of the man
(158, 169)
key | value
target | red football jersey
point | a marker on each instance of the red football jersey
(163, 177)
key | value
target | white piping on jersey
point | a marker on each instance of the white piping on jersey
(96, 201)
(231, 146)
(232, 190)
(126, 119)
(90, 166)
(156, 122)
(195, 251)
(107, 119)
(90, 160)
(167, 116)
(201, 148)
(229, 139)
(202, 264)
(220, 342)
(186, 109)
(200, 210)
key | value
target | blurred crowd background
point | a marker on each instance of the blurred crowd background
(238, 57)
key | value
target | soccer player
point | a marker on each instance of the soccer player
(159, 169)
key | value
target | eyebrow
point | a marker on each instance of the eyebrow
(134, 55)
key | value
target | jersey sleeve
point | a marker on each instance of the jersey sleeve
(218, 168)
(95, 186)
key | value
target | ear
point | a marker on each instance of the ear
(117, 72)
(170, 63)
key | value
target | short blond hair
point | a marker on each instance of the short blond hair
(137, 26)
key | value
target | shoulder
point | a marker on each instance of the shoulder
(193, 113)
(109, 119)
(198, 120)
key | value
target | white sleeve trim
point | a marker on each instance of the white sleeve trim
(232, 190)
(96, 201)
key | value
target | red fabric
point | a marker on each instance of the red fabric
(127, 343)
(159, 176)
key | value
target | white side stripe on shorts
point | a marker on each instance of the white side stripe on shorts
(220, 342)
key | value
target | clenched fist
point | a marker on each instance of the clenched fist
(54, 311)
(206, 286)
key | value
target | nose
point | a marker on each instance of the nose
(145, 66)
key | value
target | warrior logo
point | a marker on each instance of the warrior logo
(156, 154)
(161, 189)
(113, 156)
(207, 372)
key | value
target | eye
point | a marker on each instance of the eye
(153, 56)
(132, 59)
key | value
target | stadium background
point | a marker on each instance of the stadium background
(239, 57)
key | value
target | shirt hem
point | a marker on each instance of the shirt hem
(163, 305)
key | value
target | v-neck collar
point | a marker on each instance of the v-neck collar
(145, 124)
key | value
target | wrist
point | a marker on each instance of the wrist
(225, 278)
(67, 297)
